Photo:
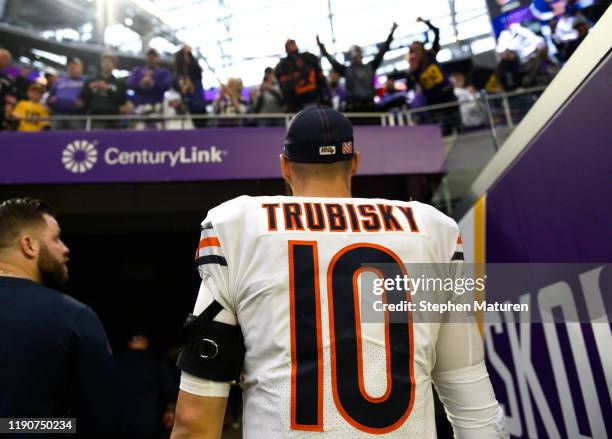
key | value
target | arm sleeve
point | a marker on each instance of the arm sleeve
(120, 94)
(212, 266)
(435, 48)
(334, 63)
(284, 82)
(53, 89)
(258, 103)
(461, 377)
(133, 81)
(322, 84)
(93, 400)
(86, 93)
(463, 384)
(381, 52)
(164, 81)
(18, 111)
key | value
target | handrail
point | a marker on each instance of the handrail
(283, 116)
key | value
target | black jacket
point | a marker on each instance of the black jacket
(302, 81)
(55, 360)
(104, 102)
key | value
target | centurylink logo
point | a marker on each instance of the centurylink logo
(79, 156)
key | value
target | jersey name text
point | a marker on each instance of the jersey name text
(339, 217)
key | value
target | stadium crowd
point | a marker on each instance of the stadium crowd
(36, 101)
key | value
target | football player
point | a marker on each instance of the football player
(279, 309)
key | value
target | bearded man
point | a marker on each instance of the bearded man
(55, 359)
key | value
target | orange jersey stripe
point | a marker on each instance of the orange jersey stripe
(209, 242)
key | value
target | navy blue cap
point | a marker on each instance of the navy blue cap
(319, 135)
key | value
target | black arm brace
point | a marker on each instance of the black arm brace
(211, 350)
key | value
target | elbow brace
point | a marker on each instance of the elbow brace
(211, 350)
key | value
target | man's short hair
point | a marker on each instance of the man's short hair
(19, 213)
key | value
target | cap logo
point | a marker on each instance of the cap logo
(327, 150)
(347, 147)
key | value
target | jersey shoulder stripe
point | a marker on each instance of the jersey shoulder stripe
(209, 249)
(458, 255)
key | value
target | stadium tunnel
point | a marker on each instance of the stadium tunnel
(132, 245)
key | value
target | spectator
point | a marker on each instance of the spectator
(472, 112)
(22, 82)
(511, 75)
(562, 29)
(50, 76)
(392, 99)
(172, 107)
(105, 94)
(29, 113)
(8, 92)
(425, 71)
(519, 40)
(539, 70)
(581, 26)
(301, 79)
(149, 83)
(252, 100)
(268, 99)
(230, 102)
(508, 72)
(64, 96)
(359, 76)
(147, 388)
(189, 83)
(338, 92)
(55, 360)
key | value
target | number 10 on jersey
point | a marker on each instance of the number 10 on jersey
(375, 415)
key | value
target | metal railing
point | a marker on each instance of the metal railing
(498, 110)
(401, 117)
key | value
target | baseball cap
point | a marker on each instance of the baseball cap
(319, 135)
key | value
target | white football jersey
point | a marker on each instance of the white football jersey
(288, 269)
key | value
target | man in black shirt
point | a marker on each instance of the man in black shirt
(55, 360)
(8, 92)
(105, 94)
(301, 79)
(359, 77)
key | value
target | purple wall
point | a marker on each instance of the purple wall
(558, 195)
(554, 204)
(197, 155)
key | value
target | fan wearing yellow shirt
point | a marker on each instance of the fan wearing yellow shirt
(29, 113)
